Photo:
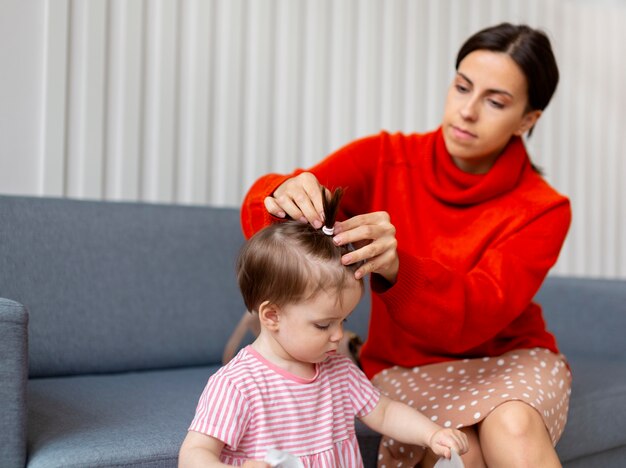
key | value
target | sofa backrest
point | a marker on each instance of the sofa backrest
(586, 315)
(113, 286)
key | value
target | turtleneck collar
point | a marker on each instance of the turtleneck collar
(451, 185)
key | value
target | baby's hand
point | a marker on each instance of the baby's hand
(255, 464)
(445, 439)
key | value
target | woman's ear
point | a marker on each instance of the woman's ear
(528, 120)
(269, 315)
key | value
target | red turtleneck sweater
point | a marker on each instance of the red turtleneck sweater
(473, 249)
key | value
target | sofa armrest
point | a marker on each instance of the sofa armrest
(13, 378)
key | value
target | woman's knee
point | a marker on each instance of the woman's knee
(515, 419)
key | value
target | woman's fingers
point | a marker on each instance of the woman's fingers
(374, 237)
(274, 208)
(299, 197)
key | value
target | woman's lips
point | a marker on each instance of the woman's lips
(461, 134)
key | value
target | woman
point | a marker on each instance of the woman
(458, 230)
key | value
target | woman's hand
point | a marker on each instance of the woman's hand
(374, 238)
(300, 198)
(445, 440)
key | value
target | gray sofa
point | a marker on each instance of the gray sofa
(113, 315)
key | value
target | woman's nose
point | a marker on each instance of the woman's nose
(469, 110)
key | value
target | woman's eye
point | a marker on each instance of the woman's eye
(462, 88)
(496, 104)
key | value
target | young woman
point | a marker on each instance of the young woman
(459, 230)
(290, 389)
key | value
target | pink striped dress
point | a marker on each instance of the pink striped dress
(252, 405)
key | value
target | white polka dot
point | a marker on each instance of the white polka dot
(461, 408)
(500, 362)
(434, 418)
(447, 424)
(450, 369)
(449, 407)
(474, 403)
(476, 415)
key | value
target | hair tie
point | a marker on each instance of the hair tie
(329, 231)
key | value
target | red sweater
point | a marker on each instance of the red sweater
(473, 249)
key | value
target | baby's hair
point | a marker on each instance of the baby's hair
(330, 202)
(291, 261)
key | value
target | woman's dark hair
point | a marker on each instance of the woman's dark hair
(529, 48)
(291, 261)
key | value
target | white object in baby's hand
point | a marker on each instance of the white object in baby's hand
(454, 461)
(280, 459)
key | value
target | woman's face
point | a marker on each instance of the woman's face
(486, 105)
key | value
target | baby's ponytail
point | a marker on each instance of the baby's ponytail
(330, 202)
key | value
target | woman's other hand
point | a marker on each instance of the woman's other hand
(374, 238)
(299, 198)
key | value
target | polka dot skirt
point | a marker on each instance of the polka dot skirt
(462, 393)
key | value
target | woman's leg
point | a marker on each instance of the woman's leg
(472, 459)
(514, 435)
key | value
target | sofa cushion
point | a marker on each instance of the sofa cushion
(120, 286)
(596, 419)
(130, 419)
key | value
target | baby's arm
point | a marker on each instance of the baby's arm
(407, 425)
(204, 451)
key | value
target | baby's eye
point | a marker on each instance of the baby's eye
(321, 327)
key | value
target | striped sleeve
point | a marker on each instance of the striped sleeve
(364, 395)
(222, 411)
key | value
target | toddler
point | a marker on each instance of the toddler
(290, 389)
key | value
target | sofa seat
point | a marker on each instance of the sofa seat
(127, 419)
(596, 422)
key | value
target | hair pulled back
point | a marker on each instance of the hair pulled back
(529, 48)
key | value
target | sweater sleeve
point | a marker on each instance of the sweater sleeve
(459, 311)
(351, 168)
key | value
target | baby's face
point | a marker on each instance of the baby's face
(310, 331)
